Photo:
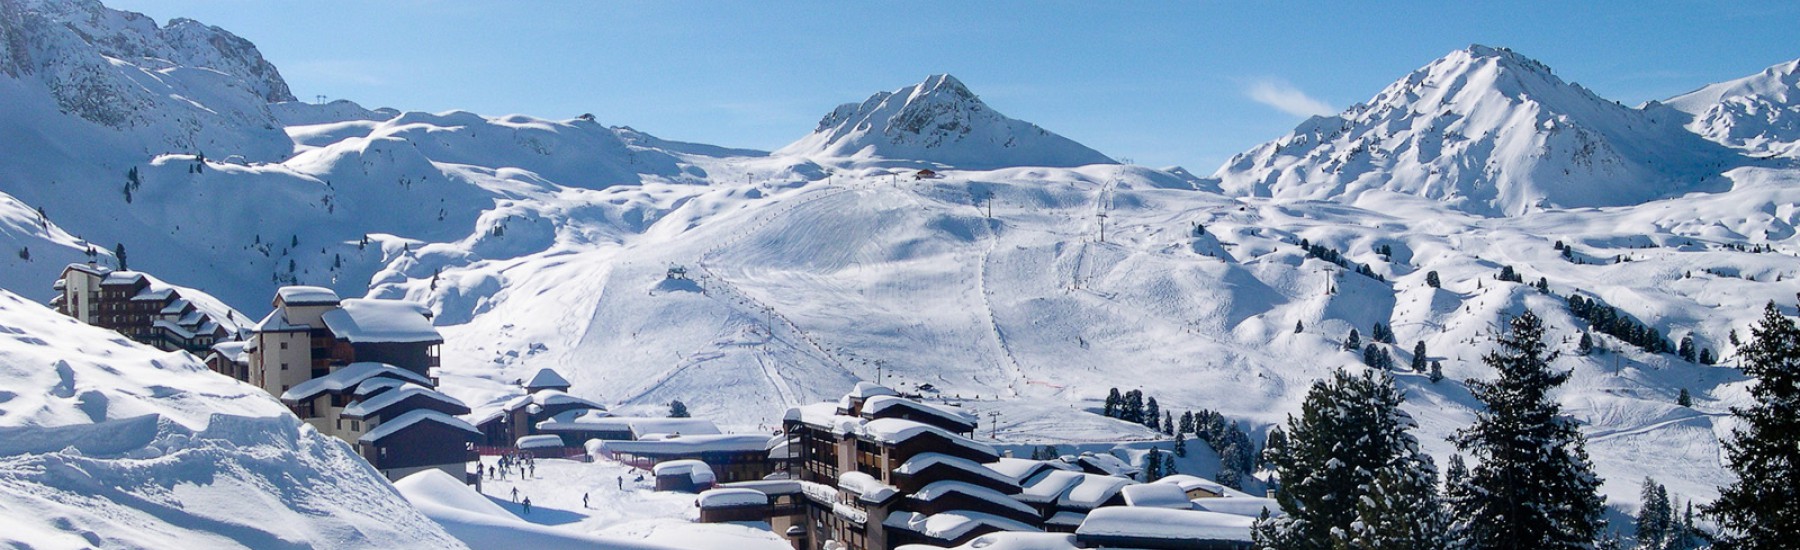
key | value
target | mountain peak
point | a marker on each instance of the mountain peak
(938, 120)
(1758, 114)
(1486, 129)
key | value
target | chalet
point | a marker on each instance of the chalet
(362, 370)
(520, 416)
(546, 379)
(733, 457)
(230, 359)
(881, 470)
(145, 309)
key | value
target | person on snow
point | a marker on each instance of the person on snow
(584, 500)
(515, 494)
(527, 505)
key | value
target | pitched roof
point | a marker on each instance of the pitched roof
(306, 296)
(362, 320)
(896, 430)
(412, 418)
(875, 406)
(1157, 495)
(545, 378)
(347, 377)
(923, 461)
(951, 525)
(944, 488)
(373, 405)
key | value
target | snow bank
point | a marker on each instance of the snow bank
(540, 442)
(732, 496)
(698, 472)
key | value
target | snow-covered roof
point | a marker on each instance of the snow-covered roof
(539, 442)
(1050, 485)
(922, 461)
(769, 486)
(1093, 491)
(1156, 495)
(122, 278)
(175, 306)
(823, 416)
(1108, 464)
(688, 444)
(1066, 518)
(866, 486)
(866, 390)
(727, 497)
(373, 385)
(306, 296)
(550, 397)
(404, 421)
(952, 525)
(1238, 505)
(881, 403)
(640, 427)
(177, 329)
(231, 349)
(1163, 523)
(1189, 483)
(276, 322)
(1021, 468)
(896, 430)
(545, 378)
(364, 408)
(697, 471)
(348, 377)
(947, 487)
(367, 320)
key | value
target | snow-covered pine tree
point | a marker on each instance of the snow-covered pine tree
(1402, 510)
(1757, 511)
(1187, 422)
(1586, 346)
(1534, 487)
(677, 409)
(1153, 465)
(1299, 327)
(1686, 349)
(1654, 518)
(1168, 465)
(1437, 372)
(1418, 360)
(1276, 439)
(1431, 279)
(1168, 423)
(1180, 444)
(1684, 399)
(1152, 414)
(1133, 409)
(1353, 342)
(1349, 432)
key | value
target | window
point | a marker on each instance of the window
(284, 345)
(284, 366)
(355, 426)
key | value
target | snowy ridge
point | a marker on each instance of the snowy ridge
(939, 121)
(1491, 132)
(1759, 114)
(105, 442)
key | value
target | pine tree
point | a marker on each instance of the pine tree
(25, 253)
(1707, 357)
(1111, 409)
(1168, 423)
(1585, 347)
(1655, 518)
(1168, 465)
(1133, 411)
(1180, 444)
(1299, 327)
(1152, 415)
(1353, 342)
(119, 252)
(1418, 360)
(1686, 349)
(1534, 487)
(1757, 511)
(1431, 279)
(1153, 465)
(1685, 399)
(1187, 422)
(1276, 439)
(677, 409)
(1437, 372)
(1350, 433)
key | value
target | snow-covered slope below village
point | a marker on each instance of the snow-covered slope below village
(938, 121)
(108, 443)
(1492, 132)
(1759, 113)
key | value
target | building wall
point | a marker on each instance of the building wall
(422, 444)
(458, 470)
(266, 363)
(418, 357)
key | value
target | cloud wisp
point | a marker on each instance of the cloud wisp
(1286, 98)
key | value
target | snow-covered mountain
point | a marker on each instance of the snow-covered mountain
(111, 444)
(550, 242)
(1491, 132)
(1759, 113)
(938, 121)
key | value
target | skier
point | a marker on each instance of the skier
(584, 500)
(527, 505)
(621, 483)
(515, 494)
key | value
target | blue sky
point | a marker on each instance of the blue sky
(1162, 83)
